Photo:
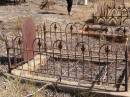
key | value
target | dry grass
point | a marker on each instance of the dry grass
(14, 88)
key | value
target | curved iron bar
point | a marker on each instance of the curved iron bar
(60, 47)
(54, 26)
(17, 47)
(83, 50)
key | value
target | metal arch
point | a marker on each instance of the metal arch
(58, 55)
(40, 50)
(124, 20)
(39, 44)
(59, 47)
(55, 26)
(112, 12)
(107, 50)
(17, 41)
(100, 19)
(124, 9)
(71, 28)
(15, 52)
(71, 35)
(82, 46)
(114, 19)
(82, 43)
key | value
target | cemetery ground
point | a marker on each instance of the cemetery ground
(10, 18)
(10, 15)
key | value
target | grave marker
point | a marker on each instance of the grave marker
(28, 33)
(86, 2)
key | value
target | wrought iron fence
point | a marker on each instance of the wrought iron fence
(112, 15)
(78, 53)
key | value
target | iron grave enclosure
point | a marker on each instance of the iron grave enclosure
(77, 54)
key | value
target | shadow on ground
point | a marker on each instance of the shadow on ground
(51, 13)
(9, 2)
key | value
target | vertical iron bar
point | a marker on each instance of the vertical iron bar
(55, 28)
(71, 31)
(107, 67)
(116, 69)
(67, 48)
(45, 46)
(75, 62)
(83, 65)
(68, 61)
(126, 68)
(99, 52)
(9, 61)
(91, 67)
(61, 62)
(53, 61)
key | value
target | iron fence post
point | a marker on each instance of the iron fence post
(9, 61)
(44, 28)
(126, 67)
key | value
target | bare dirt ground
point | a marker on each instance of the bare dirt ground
(56, 13)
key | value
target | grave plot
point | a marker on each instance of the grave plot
(72, 56)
